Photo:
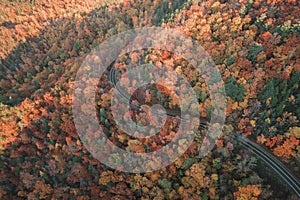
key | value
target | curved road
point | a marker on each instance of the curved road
(169, 112)
(270, 160)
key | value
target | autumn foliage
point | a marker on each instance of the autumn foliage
(254, 44)
(248, 192)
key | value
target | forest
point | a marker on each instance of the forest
(45, 45)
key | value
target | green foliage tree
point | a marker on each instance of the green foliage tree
(234, 90)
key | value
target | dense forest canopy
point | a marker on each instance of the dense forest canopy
(43, 43)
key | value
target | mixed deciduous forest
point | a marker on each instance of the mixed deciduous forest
(255, 44)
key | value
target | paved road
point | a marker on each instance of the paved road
(270, 160)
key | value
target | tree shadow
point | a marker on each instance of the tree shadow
(35, 67)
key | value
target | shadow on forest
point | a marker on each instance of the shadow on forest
(50, 60)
